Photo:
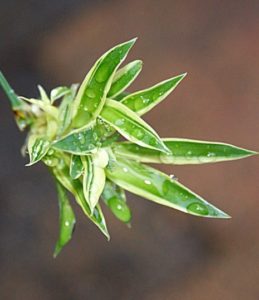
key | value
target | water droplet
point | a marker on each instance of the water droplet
(81, 138)
(119, 122)
(139, 103)
(90, 93)
(125, 170)
(138, 133)
(173, 177)
(120, 209)
(198, 208)
(102, 74)
(91, 146)
(148, 182)
(153, 142)
(67, 223)
(211, 154)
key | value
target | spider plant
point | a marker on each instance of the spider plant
(96, 145)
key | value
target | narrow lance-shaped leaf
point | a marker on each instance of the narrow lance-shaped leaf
(92, 93)
(183, 151)
(37, 148)
(131, 126)
(61, 172)
(124, 77)
(160, 188)
(76, 167)
(66, 219)
(114, 197)
(79, 143)
(94, 176)
(143, 101)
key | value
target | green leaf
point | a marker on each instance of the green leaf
(37, 148)
(114, 197)
(143, 101)
(92, 93)
(65, 110)
(131, 126)
(183, 151)
(61, 172)
(124, 77)
(76, 167)
(160, 188)
(66, 219)
(79, 143)
(94, 177)
(59, 92)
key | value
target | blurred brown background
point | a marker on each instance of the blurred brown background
(166, 254)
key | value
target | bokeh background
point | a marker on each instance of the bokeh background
(166, 254)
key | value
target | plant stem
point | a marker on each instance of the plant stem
(15, 101)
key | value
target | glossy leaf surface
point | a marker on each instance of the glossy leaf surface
(184, 151)
(131, 126)
(66, 219)
(92, 93)
(143, 101)
(79, 143)
(124, 77)
(160, 188)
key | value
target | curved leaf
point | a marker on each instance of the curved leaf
(66, 219)
(124, 77)
(92, 93)
(160, 188)
(131, 126)
(143, 101)
(183, 151)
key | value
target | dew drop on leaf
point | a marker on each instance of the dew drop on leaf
(198, 208)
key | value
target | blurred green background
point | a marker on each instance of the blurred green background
(166, 254)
